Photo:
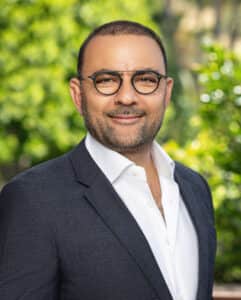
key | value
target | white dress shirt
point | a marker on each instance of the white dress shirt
(174, 243)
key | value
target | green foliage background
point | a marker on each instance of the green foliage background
(215, 151)
(38, 53)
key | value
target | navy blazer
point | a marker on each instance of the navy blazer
(66, 235)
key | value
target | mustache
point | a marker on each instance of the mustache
(126, 111)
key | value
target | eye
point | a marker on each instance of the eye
(104, 79)
(146, 78)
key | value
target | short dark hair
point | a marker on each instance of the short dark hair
(118, 28)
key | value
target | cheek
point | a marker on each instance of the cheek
(99, 109)
(156, 108)
(98, 113)
(95, 105)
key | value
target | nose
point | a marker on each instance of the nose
(126, 94)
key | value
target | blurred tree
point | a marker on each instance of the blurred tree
(215, 151)
(168, 20)
(220, 78)
(184, 25)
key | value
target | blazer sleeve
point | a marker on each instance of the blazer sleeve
(28, 259)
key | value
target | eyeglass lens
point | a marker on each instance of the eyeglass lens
(143, 82)
(106, 83)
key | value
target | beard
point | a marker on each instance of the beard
(128, 142)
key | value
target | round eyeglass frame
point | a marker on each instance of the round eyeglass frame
(117, 73)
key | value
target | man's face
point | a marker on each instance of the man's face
(125, 121)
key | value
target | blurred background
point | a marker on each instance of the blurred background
(39, 42)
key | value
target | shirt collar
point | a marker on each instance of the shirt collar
(110, 162)
(163, 162)
(113, 164)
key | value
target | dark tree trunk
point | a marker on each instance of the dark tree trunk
(218, 14)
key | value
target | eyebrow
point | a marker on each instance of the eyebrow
(130, 71)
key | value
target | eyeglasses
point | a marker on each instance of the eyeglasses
(108, 83)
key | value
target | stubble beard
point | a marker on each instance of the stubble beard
(107, 135)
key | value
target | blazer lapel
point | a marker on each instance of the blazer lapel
(117, 218)
(193, 202)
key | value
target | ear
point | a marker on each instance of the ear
(75, 92)
(169, 86)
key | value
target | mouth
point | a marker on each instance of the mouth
(126, 119)
(126, 116)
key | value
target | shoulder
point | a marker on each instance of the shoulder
(185, 171)
(190, 175)
(45, 181)
(197, 182)
(41, 173)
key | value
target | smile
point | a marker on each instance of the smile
(126, 119)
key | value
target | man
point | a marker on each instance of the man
(115, 218)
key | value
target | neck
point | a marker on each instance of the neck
(142, 157)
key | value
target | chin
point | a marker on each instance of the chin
(126, 145)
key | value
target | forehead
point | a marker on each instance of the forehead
(122, 52)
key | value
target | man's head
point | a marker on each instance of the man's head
(122, 90)
(120, 28)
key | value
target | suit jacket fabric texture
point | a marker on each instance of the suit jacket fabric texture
(66, 235)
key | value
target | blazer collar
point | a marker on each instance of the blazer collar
(108, 205)
(84, 167)
(194, 203)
